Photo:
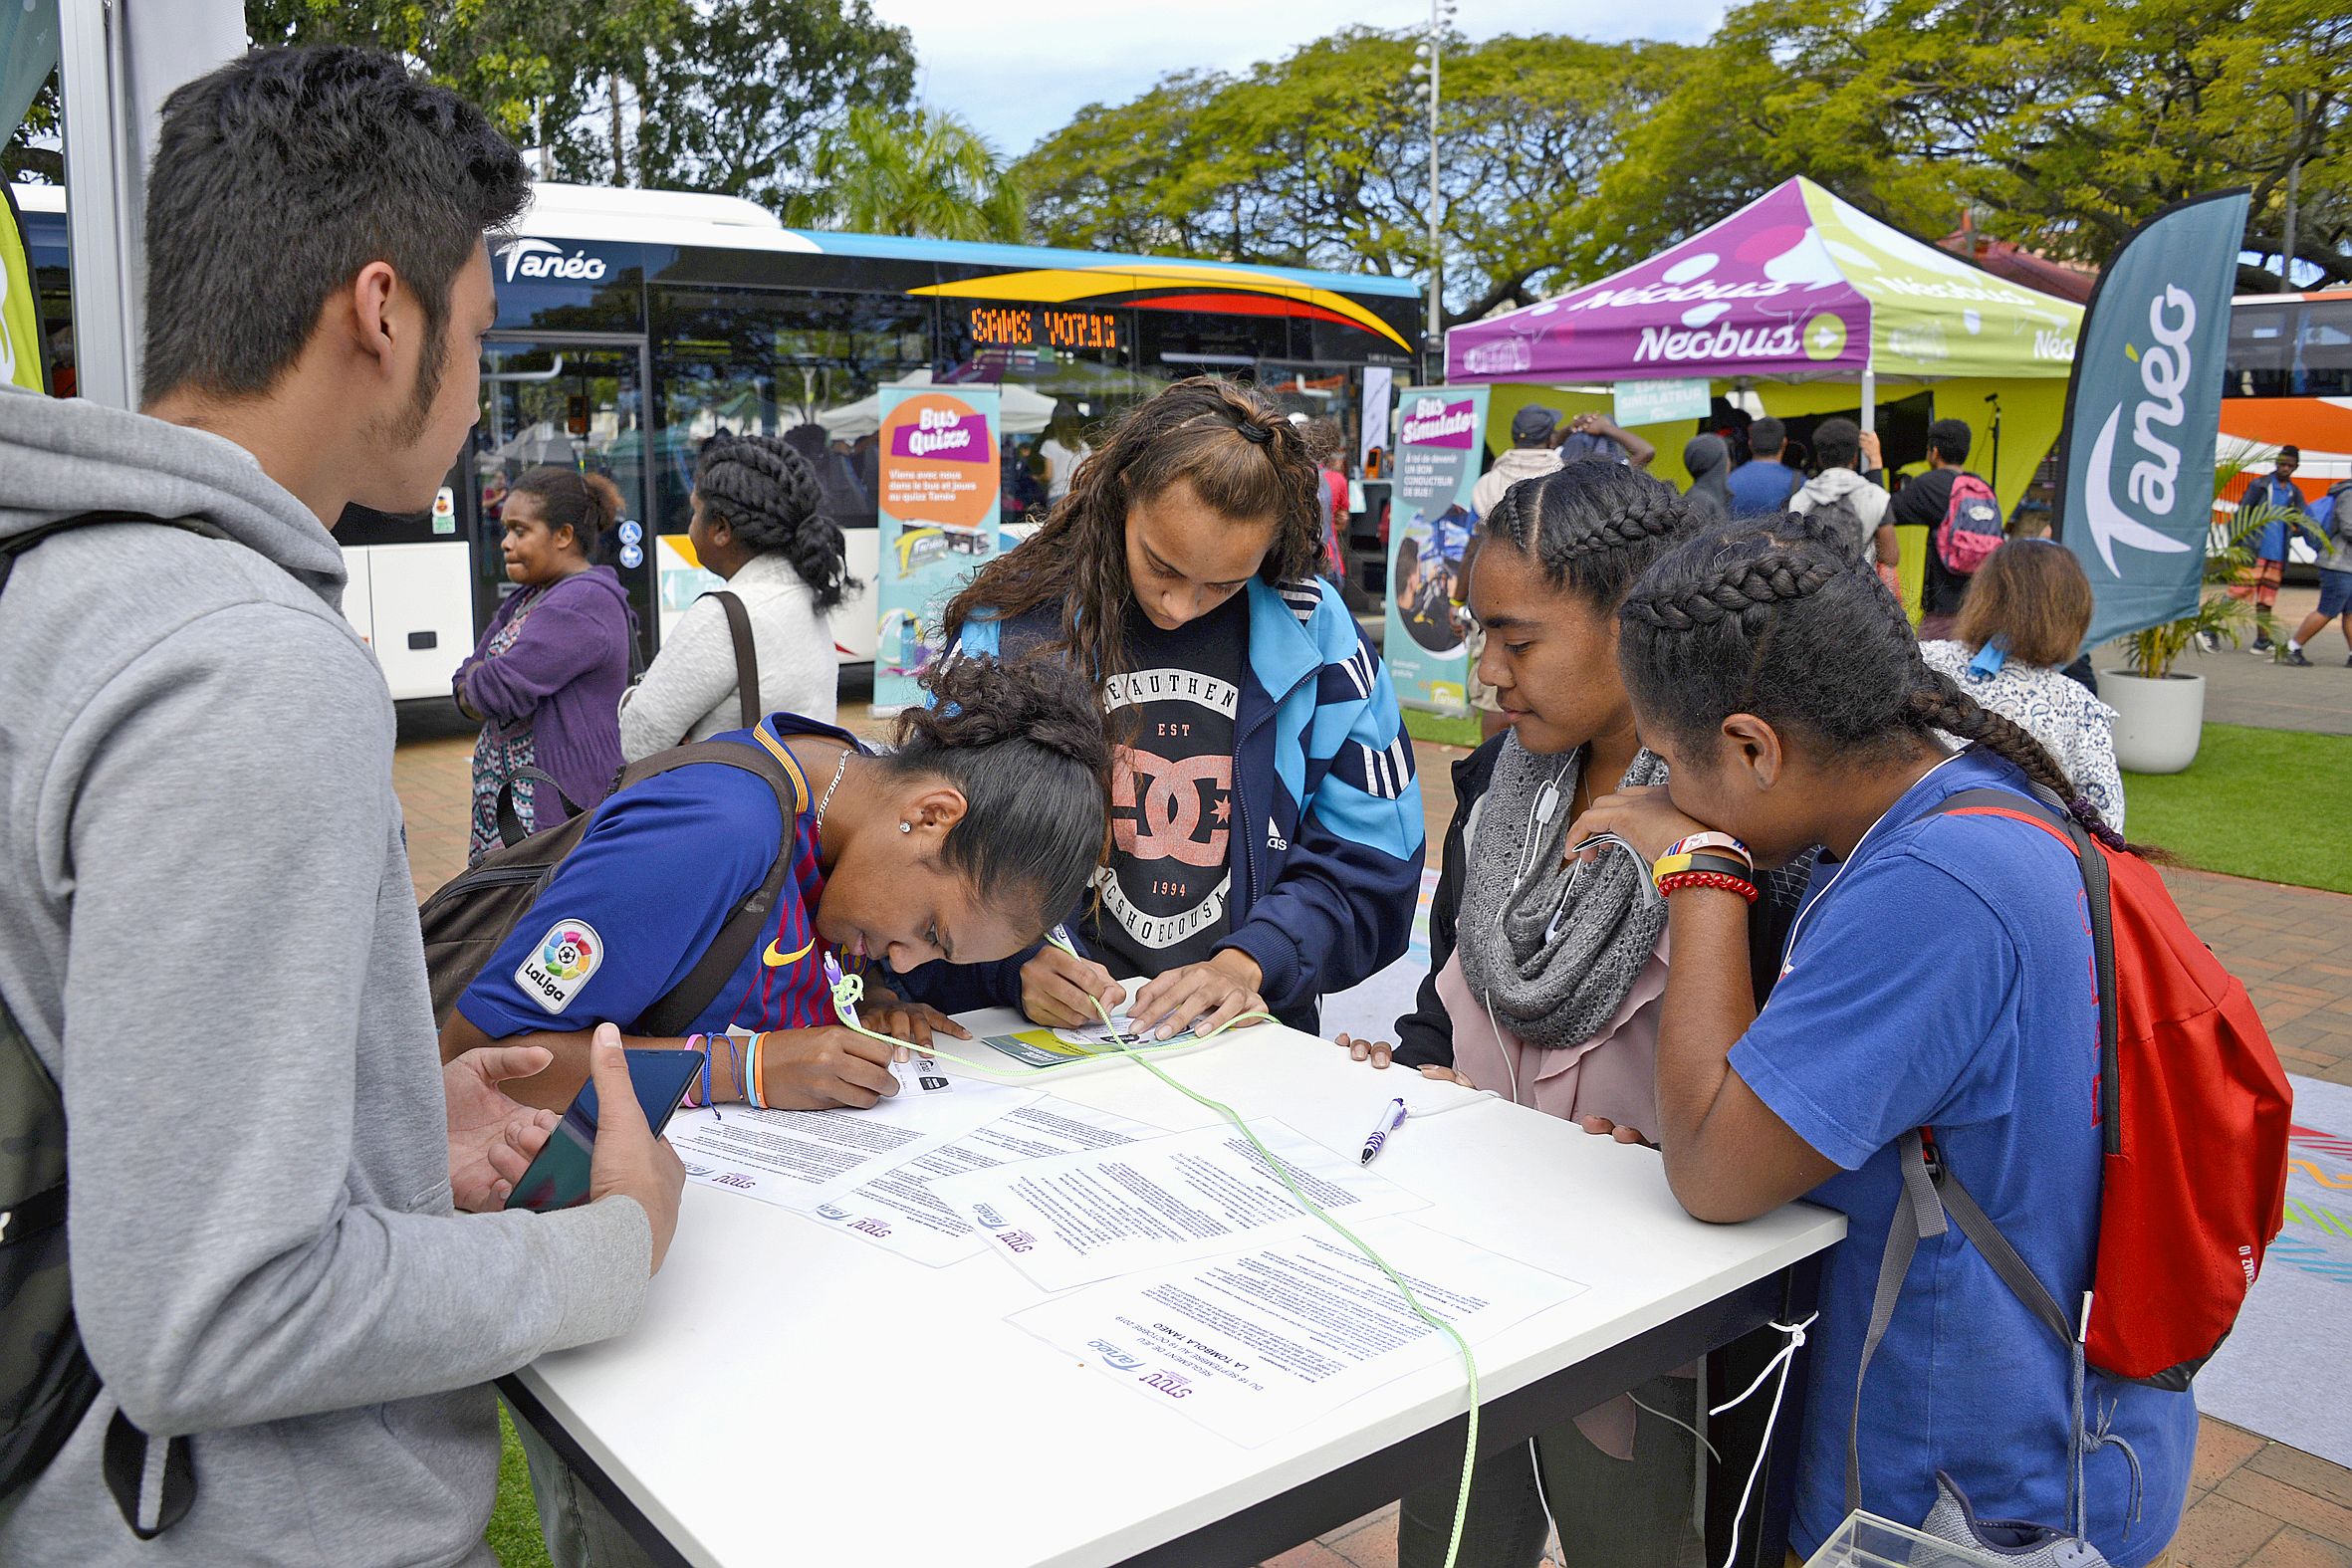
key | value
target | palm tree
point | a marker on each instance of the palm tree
(928, 173)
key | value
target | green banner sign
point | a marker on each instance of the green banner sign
(2143, 409)
(21, 352)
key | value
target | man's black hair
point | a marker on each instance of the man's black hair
(278, 177)
(1767, 436)
(1950, 438)
(1837, 443)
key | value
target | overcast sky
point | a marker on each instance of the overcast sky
(1019, 79)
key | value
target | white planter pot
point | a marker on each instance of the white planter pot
(2157, 723)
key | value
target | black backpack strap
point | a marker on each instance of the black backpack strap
(17, 544)
(685, 1000)
(510, 821)
(133, 1473)
(747, 656)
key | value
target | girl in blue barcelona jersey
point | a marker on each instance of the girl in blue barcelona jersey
(1266, 831)
(961, 844)
(1939, 976)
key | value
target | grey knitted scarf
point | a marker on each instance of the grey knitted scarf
(1553, 961)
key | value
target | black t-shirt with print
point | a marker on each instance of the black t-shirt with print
(1166, 891)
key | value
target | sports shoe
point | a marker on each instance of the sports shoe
(2206, 641)
(2260, 645)
(2295, 656)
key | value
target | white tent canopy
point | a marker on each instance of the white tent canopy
(1021, 410)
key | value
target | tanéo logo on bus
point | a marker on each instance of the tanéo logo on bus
(543, 259)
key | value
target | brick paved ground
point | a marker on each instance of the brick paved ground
(2254, 1504)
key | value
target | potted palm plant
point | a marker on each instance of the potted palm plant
(2159, 710)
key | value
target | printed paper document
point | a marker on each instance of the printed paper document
(799, 1159)
(1074, 1219)
(897, 1210)
(1261, 1343)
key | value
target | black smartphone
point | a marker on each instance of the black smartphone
(558, 1178)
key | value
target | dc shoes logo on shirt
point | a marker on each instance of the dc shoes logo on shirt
(566, 960)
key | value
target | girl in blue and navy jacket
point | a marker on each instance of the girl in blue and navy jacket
(1267, 829)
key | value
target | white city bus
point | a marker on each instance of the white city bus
(634, 325)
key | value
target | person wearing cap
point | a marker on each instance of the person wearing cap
(1532, 454)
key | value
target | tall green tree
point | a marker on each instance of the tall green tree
(921, 173)
(1321, 159)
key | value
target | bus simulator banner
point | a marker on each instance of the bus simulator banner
(2143, 409)
(1440, 433)
(940, 488)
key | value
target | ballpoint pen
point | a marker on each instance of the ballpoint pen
(1392, 1116)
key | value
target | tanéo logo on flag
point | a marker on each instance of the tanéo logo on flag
(2143, 409)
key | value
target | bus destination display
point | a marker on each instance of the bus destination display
(1020, 327)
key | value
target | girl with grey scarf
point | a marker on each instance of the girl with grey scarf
(1547, 975)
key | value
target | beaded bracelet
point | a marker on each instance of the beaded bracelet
(1724, 880)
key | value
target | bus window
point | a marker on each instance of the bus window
(2260, 336)
(2323, 349)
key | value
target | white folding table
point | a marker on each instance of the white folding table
(795, 1394)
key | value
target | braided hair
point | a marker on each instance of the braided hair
(767, 495)
(1778, 620)
(1590, 525)
(1242, 457)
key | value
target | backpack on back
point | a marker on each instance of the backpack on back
(1971, 530)
(1840, 512)
(2194, 1110)
(47, 1383)
(471, 915)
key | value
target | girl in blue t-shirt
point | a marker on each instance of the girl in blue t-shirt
(961, 844)
(1939, 976)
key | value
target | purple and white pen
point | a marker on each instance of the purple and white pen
(1392, 1116)
(835, 983)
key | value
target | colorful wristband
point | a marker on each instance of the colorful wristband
(1712, 840)
(1673, 864)
(751, 1083)
(700, 1044)
(1674, 882)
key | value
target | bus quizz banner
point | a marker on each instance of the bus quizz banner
(2142, 412)
(1439, 433)
(938, 510)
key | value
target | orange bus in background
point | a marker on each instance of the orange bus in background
(2289, 384)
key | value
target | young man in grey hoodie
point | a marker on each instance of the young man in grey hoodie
(207, 929)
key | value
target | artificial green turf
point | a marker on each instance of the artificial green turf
(514, 1520)
(2260, 803)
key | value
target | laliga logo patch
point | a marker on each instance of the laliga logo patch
(566, 959)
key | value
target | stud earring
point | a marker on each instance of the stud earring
(907, 828)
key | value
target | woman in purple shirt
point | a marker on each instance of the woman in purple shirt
(547, 676)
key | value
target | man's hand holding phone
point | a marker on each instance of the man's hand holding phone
(628, 1161)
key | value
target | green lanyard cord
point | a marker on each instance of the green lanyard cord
(852, 988)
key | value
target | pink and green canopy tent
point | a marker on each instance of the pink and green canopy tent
(1811, 305)
(1796, 286)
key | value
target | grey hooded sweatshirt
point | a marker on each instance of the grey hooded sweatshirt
(208, 932)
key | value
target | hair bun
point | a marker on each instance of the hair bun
(982, 701)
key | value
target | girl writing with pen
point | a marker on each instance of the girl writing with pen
(1547, 977)
(961, 844)
(1267, 825)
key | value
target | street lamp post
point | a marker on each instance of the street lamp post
(1426, 67)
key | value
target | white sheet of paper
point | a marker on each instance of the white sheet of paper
(898, 1210)
(1263, 1341)
(1074, 1219)
(799, 1159)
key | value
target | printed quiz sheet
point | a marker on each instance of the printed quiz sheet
(898, 1210)
(1262, 1342)
(1071, 1219)
(800, 1159)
